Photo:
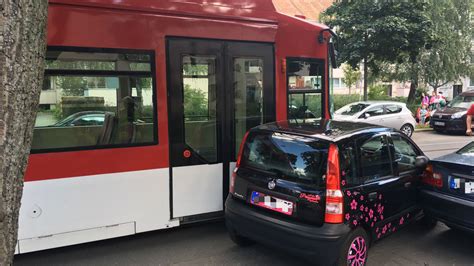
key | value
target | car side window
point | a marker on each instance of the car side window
(375, 158)
(348, 164)
(393, 109)
(404, 154)
(375, 111)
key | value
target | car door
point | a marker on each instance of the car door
(373, 115)
(405, 153)
(381, 202)
(392, 117)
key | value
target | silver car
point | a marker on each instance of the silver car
(389, 114)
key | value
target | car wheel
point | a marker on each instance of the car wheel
(238, 239)
(407, 129)
(355, 249)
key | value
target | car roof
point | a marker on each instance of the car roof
(468, 93)
(380, 102)
(327, 129)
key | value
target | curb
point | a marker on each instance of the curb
(423, 129)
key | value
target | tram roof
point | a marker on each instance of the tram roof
(252, 10)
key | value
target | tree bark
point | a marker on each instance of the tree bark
(22, 49)
(366, 78)
(413, 83)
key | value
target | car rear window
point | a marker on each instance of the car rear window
(287, 156)
(467, 150)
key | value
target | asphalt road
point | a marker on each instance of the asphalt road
(208, 244)
(436, 144)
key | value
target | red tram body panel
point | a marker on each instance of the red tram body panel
(86, 192)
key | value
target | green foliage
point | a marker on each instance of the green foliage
(351, 76)
(341, 100)
(375, 31)
(195, 103)
(449, 57)
(385, 31)
(72, 86)
(378, 92)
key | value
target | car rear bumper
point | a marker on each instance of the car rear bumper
(322, 243)
(451, 210)
(449, 125)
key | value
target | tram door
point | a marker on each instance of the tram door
(217, 90)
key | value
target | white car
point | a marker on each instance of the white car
(388, 114)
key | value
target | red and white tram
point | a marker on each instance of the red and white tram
(145, 103)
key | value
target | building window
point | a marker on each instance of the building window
(305, 79)
(94, 99)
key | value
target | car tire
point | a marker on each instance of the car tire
(238, 239)
(355, 249)
(428, 222)
(407, 129)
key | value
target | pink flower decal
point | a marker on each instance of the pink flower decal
(375, 219)
(361, 208)
(381, 217)
(402, 221)
(348, 193)
(343, 181)
(366, 209)
(384, 230)
(372, 224)
(389, 225)
(354, 205)
(376, 230)
(371, 213)
(354, 222)
(348, 216)
(366, 219)
(379, 235)
(361, 197)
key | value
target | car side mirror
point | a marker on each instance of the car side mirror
(366, 115)
(421, 161)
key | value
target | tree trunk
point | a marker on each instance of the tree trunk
(366, 78)
(22, 49)
(413, 84)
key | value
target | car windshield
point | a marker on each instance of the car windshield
(352, 109)
(287, 156)
(462, 102)
(467, 150)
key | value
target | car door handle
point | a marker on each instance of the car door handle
(407, 185)
(372, 196)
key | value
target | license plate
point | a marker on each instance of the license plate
(437, 123)
(272, 203)
(469, 187)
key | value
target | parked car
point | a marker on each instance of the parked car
(388, 114)
(452, 118)
(323, 190)
(447, 193)
(84, 118)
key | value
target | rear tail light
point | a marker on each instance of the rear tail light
(241, 150)
(334, 197)
(237, 164)
(431, 178)
(232, 181)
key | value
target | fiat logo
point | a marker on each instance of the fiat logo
(271, 184)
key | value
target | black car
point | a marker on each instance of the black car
(324, 189)
(84, 118)
(453, 117)
(447, 193)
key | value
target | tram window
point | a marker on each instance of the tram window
(305, 79)
(95, 99)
